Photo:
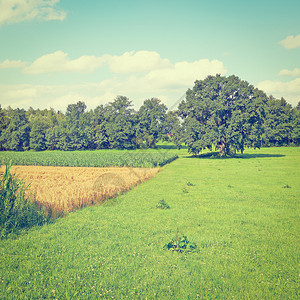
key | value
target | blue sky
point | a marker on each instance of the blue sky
(57, 52)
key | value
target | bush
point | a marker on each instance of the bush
(162, 204)
(185, 191)
(181, 244)
(16, 211)
(287, 186)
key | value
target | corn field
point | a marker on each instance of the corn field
(97, 158)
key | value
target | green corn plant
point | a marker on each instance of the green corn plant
(88, 159)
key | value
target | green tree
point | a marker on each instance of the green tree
(42, 124)
(171, 126)
(280, 122)
(99, 136)
(75, 133)
(38, 130)
(120, 118)
(296, 126)
(3, 125)
(55, 133)
(222, 112)
(15, 135)
(150, 127)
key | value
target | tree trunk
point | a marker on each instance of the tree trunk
(222, 148)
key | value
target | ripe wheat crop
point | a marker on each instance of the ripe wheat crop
(63, 189)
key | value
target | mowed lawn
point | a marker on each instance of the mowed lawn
(243, 213)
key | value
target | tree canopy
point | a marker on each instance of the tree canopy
(151, 118)
(225, 113)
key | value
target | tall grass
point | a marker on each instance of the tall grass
(16, 211)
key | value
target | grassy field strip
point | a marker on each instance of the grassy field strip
(64, 189)
(242, 213)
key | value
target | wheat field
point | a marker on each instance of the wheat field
(64, 189)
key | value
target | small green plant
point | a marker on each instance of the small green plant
(189, 184)
(230, 186)
(162, 204)
(287, 187)
(185, 191)
(181, 244)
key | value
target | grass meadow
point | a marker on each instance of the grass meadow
(243, 214)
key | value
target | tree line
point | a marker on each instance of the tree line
(222, 112)
(115, 125)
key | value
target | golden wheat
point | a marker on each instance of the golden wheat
(63, 189)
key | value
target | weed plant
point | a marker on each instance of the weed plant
(181, 244)
(185, 190)
(162, 204)
(287, 186)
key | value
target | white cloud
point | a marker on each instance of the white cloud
(288, 90)
(20, 95)
(8, 64)
(14, 11)
(291, 42)
(22, 92)
(55, 96)
(58, 97)
(60, 62)
(153, 77)
(140, 61)
(129, 62)
(184, 73)
(285, 72)
(158, 69)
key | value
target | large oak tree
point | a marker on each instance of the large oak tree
(222, 112)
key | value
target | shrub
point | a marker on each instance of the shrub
(185, 191)
(287, 187)
(17, 212)
(162, 204)
(181, 244)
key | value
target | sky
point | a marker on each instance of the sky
(58, 52)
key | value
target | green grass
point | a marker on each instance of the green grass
(97, 158)
(237, 211)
